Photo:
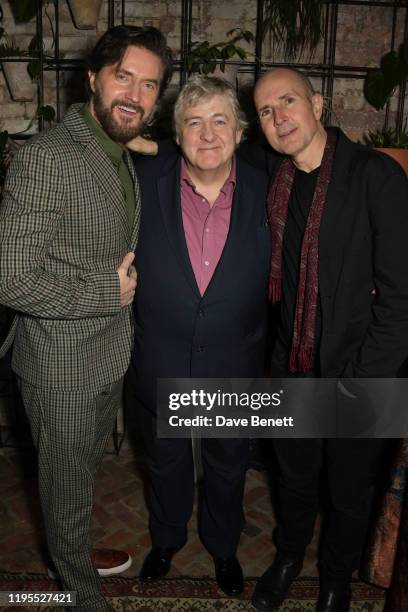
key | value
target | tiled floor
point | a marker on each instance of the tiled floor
(120, 518)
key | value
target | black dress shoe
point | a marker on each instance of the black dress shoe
(228, 574)
(334, 598)
(157, 564)
(274, 584)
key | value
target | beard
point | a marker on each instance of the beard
(118, 131)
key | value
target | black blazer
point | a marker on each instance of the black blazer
(178, 332)
(363, 267)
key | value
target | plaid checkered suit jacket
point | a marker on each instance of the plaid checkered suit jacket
(63, 233)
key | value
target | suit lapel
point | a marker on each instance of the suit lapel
(106, 176)
(169, 198)
(170, 205)
(99, 165)
(240, 221)
(332, 230)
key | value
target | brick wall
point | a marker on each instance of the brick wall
(363, 36)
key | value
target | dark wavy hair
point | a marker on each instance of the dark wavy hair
(112, 46)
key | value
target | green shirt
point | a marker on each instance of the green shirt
(115, 152)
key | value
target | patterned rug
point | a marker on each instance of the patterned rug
(191, 595)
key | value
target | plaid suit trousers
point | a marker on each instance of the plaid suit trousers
(70, 430)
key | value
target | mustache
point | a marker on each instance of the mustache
(135, 107)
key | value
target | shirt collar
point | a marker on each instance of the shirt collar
(232, 178)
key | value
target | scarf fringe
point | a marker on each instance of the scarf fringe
(275, 290)
(302, 361)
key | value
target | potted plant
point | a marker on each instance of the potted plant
(212, 59)
(17, 73)
(295, 26)
(379, 86)
(85, 13)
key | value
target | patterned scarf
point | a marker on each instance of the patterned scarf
(304, 327)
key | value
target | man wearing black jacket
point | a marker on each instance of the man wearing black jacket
(339, 220)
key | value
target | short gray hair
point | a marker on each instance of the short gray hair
(200, 87)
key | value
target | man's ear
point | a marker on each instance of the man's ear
(238, 136)
(317, 105)
(92, 77)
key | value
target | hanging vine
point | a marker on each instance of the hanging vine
(295, 26)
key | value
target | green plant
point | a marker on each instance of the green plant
(24, 10)
(204, 57)
(381, 82)
(385, 138)
(379, 85)
(47, 113)
(8, 49)
(295, 25)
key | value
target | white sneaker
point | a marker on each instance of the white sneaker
(108, 562)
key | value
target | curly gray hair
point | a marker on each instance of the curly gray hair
(200, 87)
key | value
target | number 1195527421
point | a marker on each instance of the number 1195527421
(43, 598)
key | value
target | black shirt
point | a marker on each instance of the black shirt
(298, 211)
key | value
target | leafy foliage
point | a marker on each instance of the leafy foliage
(24, 10)
(47, 113)
(381, 82)
(204, 57)
(388, 138)
(295, 25)
(8, 48)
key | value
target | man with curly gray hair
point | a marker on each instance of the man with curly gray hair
(200, 311)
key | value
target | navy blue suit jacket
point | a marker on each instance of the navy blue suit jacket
(178, 332)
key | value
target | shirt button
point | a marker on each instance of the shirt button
(203, 200)
(200, 349)
(206, 263)
(207, 229)
(201, 313)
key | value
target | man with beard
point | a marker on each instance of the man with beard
(69, 224)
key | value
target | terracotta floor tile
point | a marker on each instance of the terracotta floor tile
(120, 518)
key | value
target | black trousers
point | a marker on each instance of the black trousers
(350, 467)
(171, 489)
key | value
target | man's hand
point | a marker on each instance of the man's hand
(127, 278)
(143, 146)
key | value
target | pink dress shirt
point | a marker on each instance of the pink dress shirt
(205, 227)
